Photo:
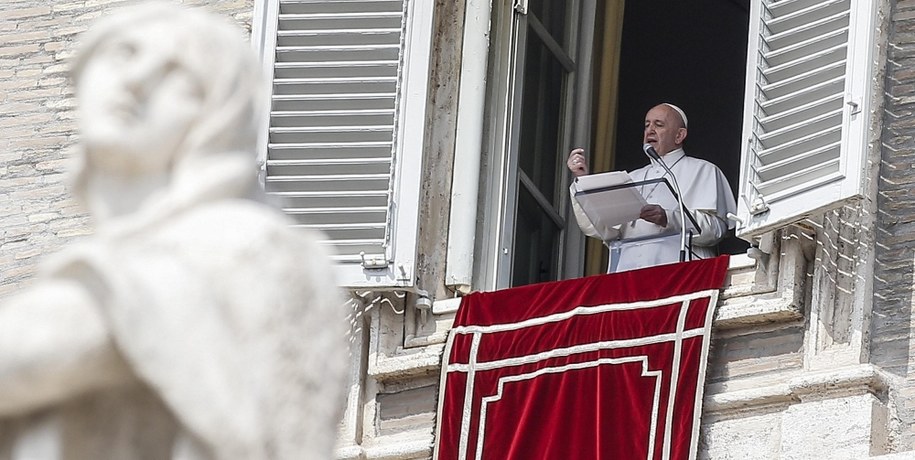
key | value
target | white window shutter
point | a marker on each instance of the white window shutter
(810, 76)
(349, 80)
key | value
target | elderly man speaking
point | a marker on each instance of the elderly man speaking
(705, 190)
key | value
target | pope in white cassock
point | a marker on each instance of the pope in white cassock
(705, 190)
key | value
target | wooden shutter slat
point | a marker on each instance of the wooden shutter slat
(827, 79)
(800, 114)
(781, 20)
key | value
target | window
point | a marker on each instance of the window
(348, 80)
(802, 140)
(806, 118)
(533, 92)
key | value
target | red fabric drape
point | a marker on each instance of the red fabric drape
(608, 366)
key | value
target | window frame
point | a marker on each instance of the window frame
(493, 264)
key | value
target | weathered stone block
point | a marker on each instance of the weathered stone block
(847, 427)
(753, 436)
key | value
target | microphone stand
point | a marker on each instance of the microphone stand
(650, 151)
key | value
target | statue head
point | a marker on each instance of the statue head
(160, 86)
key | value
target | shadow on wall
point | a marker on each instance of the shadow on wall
(892, 319)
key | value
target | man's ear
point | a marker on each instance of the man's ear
(681, 136)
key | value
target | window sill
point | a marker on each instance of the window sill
(756, 292)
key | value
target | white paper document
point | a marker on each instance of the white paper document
(606, 208)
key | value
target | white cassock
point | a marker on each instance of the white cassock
(706, 194)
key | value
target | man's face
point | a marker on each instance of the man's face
(663, 129)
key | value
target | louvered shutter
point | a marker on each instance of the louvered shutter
(349, 78)
(810, 76)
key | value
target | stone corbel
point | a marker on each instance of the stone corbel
(770, 287)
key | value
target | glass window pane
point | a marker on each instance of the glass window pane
(540, 117)
(536, 243)
(552, 14)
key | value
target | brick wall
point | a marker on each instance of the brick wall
(892, 319)
(37, 126)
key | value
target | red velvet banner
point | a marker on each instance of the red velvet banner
(609, 366)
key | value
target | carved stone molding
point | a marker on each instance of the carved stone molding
(810, 386)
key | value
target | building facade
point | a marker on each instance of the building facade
(427, 140)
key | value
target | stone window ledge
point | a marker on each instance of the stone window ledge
(419, 446)
(420, 361)
(759, 290)
(808, 386)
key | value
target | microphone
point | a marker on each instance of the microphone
(653, 154)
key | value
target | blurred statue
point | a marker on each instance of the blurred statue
(191, 289)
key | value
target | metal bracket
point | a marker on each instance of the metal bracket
(423, 304)
(734, 218)
(855, 107)
(762, 258)
(374, 262)
(521, 6)
(759, 206)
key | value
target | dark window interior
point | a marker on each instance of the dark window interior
(692, 54)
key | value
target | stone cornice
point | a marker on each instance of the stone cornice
(808, 386)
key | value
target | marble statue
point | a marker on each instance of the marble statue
(195, 322)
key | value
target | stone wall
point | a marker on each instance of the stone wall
(893, 324)
(37, 125)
